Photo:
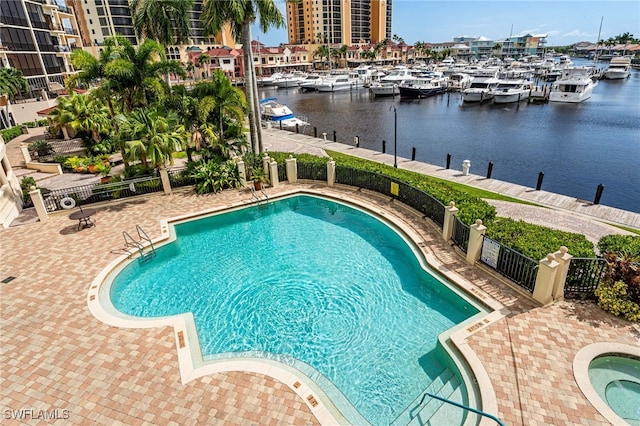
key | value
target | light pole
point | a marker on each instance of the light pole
(395, 137)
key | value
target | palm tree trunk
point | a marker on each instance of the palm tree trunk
(248, 66)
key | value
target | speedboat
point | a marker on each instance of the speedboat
(509, 91)
(276, 114)
(423, 85)
(481, 89)
(268, 80)
(573, 86)
(619, 68)
(335, 83)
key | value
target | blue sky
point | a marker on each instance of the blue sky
(564, 22)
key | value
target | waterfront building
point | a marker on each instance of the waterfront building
(339, 22)
(37, 38)
(524, 45)
(482, 46)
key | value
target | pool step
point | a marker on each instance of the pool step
(445, 385)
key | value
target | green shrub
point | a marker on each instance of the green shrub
(613, 298)
(11, 133)
(213, 177)
(41, 147)
(25, 184)
(537, 241)
(620, 244)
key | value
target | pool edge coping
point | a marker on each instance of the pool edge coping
(193, 366)
(581, 363)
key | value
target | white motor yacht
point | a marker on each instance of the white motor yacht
(480, 90)
(509, 91)
(573, 86)
(335, 83)
(619, 68)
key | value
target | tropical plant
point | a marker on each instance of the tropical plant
(12, 82)
(41, 147)
(240, 14)
(25, 184)
(203, 60)
(619, 290)
(166, 21)
(322, 52)
(620, 244)
(82, 113)
(213, 177)
(151, 136)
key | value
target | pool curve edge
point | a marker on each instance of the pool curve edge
(193, 366)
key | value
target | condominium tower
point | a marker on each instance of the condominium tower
(339, 21)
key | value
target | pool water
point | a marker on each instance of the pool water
(616, 379)
(310, 279)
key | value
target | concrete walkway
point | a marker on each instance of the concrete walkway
(280, 140)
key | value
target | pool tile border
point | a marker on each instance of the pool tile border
(192, 365)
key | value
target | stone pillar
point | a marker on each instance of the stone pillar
(292, 169)
(242, 171)
(38, 203)
(166, 183)
(331, 172)
(450, 213)
(265, 165)
(466, 165)
(25, 153)
(564, 259)
(476, 237)
(547, 271)
(273, 172)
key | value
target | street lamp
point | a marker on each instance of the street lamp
(395, 137)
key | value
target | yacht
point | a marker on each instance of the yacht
(509, 91)
(619, 68)
(276, 114)
(362, 75)
(310, 82)
(288, 80)
(573, 86)
(481, 89)
(423, 85)
(459, 81)
(388, 85)
(335, 83)
(268, 80)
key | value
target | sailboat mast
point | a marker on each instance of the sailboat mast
(595, 58)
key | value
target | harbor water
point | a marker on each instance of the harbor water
(576, 146)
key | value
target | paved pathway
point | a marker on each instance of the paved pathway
(273, 137)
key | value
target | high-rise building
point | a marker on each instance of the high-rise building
(339, 21)
(36, 37)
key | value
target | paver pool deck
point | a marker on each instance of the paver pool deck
(55, 355)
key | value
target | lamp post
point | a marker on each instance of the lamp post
(395, 137)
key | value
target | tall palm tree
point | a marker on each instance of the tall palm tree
(165, 21)
(240, 14)
(136, 73)
(12, 82)
(151, 136)
(203, 59)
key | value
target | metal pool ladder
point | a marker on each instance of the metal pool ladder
(258, 196)
(131, 243)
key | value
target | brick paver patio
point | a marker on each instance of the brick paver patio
(56, 355)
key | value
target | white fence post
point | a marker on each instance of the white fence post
(292, 169)
(476, 236)
(564, 259)
(450, 213)
(331, 172)
(273, 172)
(547, 271)
(38, 203)
(166, 183)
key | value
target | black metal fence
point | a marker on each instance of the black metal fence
(60, 147)
(510, 263)
(180, 176)
(87, 194)
(583, 277)
(460, 234)
(312, 172)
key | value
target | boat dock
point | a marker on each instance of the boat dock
(275, 140)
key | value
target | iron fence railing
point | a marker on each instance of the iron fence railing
(583, 277)
(510, 263)
(460, 234)
(60, 147)
(93, 193)
(312, 171)
(180, 176)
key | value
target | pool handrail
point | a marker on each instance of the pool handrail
(464, 407)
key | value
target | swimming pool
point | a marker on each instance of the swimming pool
(311, 280)
(616, 379)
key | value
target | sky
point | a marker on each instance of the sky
(564, 22)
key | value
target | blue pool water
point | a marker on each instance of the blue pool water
(310, 279)
(616, 379)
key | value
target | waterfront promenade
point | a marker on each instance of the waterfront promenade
(585, 211)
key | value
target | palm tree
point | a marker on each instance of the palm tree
(322, 52)
(81, 113)
(12, 82)
(136, 74)
(240, 14)
(151, 136)
(166, 21)
(203, 59)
